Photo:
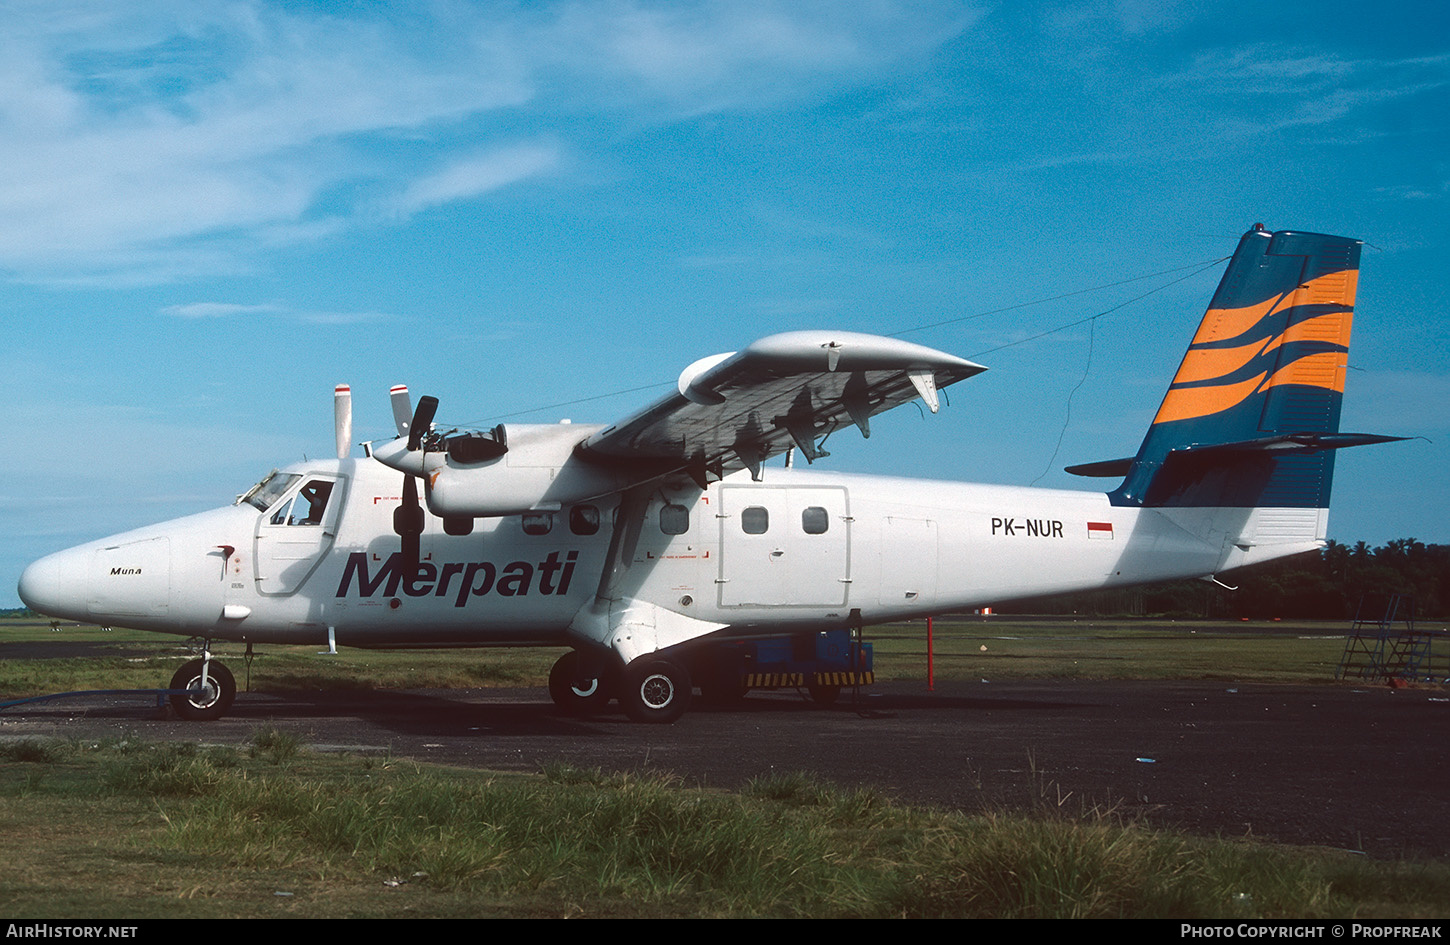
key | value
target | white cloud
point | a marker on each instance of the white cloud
(475, 175)
(148, 142)
(1265, 87)
(206, 310)
(716, 54)
(132, 140)
(216, 310)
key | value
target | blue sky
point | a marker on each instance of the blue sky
(212, 212)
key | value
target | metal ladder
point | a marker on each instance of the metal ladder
(1387, 645)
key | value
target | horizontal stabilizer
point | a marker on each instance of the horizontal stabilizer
(1296, 443)
(1289, 442)
(1107, 469)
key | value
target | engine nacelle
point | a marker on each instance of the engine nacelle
(538, 472)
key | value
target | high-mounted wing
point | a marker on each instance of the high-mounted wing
(734, 411)
(731, 412)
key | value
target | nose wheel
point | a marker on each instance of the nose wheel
(210, 690)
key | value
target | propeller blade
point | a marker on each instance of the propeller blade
(342, 419)
(408, 523)
(422, 420)
(412, 549)
(402, 407)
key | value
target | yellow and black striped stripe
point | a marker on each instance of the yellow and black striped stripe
(797, 680)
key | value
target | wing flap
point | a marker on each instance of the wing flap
(735, 411)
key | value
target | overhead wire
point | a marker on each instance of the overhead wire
(571, 403)
(1197, 268)
(1092, 333)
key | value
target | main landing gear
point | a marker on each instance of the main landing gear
(576, 693)
(655, 690)
(650, 689)
(210, 690)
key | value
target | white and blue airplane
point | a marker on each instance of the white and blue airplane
(639, 543)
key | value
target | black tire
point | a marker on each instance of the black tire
(215, 695)
(824, 695)
(569, 697)
(655, 690)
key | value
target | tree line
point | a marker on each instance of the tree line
(1338, 582)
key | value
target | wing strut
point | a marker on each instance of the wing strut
(614, 619)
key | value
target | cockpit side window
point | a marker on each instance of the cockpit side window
(307, 507)
(266, 493)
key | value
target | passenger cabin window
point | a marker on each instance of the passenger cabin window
(307, 506)
(755, 520)
(815, 521)
(538, 523)
(584, 519)
(674, 519)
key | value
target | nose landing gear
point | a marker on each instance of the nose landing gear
(209, 687)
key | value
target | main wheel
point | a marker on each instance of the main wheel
(655, 690)
(571, 697)
(208, 698)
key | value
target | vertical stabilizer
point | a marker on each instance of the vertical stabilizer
(1251, 419)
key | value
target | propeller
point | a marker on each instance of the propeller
(408, 453)
(402, 407)
(408, 516)
(422, 421)
(342, 419)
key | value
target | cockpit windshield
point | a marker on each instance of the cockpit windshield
(269, 490)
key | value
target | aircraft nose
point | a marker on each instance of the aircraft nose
(114, 580)
(46, 587)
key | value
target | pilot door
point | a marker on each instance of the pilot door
(784, 546)
(294, 535)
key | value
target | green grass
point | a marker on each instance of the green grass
(129, 829)
(147, 661)
(1016, 647)
(132, 829)
(965, 648)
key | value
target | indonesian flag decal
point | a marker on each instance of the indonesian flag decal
(1100, 530)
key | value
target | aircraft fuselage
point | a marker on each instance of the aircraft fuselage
(798, 551)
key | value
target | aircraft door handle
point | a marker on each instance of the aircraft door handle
(777, 553)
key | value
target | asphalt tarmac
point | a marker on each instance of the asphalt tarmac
(1361, 768)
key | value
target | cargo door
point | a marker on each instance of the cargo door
(784, 546)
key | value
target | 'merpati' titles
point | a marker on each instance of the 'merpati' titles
(463, 579)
